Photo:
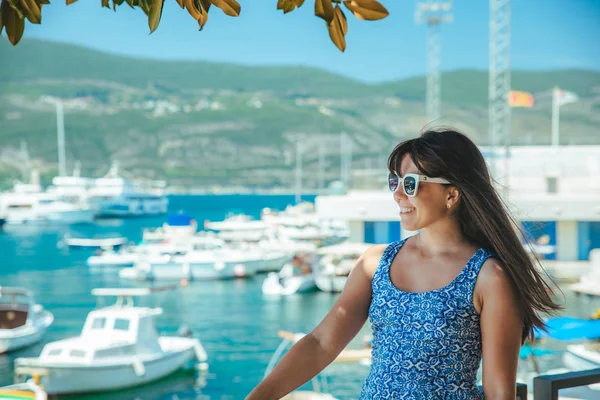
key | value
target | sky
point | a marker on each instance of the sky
(546, 34)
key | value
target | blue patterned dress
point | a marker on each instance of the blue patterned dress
(425, 345)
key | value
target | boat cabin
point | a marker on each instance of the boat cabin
(117, 331)
(15, 307)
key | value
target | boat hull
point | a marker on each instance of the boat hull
(15, 339)
(274, 285)
(71, 379)
(331, 283)
(119, 208)
(52, 218)
(196, 271)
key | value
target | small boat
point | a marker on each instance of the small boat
(111, 258)
(295, 277)
(319, 384)
(336, 263)
(23, 391)
(95, 243)
(22, 321)
(118, 348)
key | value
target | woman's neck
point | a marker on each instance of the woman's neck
(442, 237)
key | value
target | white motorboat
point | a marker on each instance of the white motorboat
(94, 243)
(319, 384)
(336, 263)
(236, 223)
(27, 204)
(205, 258)
(118, 348)
(295, 277)
(178, 227)
(22, 391)
(22, 321)
(115, 196)
(111, 258)
(204, 264)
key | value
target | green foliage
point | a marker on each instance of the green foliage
(205, 145)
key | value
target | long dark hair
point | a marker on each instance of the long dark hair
(484, 218)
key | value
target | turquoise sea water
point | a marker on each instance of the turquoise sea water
(235, 322)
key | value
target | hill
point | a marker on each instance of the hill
(199, 123)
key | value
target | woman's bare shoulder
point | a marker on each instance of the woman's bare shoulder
(369, 260)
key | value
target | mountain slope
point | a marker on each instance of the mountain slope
(200, 123)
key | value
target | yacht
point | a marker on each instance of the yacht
(116, 196)
(119, 347)
(29, 204)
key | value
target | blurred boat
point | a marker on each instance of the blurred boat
(119, 347)
(28, 204)
(296, 276)
(203, 260)
(115, 196)
(22, 391)
(22, 321)
(336, 263)
(94, 243)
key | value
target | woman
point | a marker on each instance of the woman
(460, 290)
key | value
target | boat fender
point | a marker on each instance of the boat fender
(239, 270)
(219, 266)
(138, 367)
(200, 353)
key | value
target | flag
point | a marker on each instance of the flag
(563, 97)
(520, 99)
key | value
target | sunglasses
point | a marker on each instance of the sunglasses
(410, 182)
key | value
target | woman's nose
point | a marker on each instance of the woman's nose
(399, 193)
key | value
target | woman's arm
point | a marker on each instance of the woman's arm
(320, 347)
(501, 330)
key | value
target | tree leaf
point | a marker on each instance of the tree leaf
(16, 6)
(119, 2)
(324, 9)
(229, 7)
(156, 8)
(41, 2)
(191, 8)
(132, 3)
(368, 10)
(288, 5)
(71, 1)
(143, 4)
(32, 11)
(339, 15)
(180, 2)
(204, 7)
(336, 29)
(13, 25)
(1, 22)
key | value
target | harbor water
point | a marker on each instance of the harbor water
(236, 323)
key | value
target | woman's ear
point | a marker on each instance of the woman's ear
(453, 196)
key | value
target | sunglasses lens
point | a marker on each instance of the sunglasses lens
(392, 182)
(410, 185)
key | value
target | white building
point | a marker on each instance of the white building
(553, 191)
